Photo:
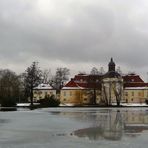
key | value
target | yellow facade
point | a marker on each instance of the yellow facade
(79, 96)
(85, 96)
(73, 97)
(41, 93)
(133, 95)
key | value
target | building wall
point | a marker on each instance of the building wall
(79, 97)
(40, 94)
(73, 97)
(135, 95)
(82, 97)
(88, 96)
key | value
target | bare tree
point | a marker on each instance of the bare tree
(102, 71)
(118, 92)
(119, 70)
(82, 72)
(94, 71)
(61, 76)
(105, 98)
(32, 77)
(46, 76)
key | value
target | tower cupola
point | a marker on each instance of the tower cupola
(111, 65)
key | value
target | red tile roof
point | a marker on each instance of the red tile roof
(136, 85)
(94, 81)
(71, 84)
(132, 78)
(85, 81)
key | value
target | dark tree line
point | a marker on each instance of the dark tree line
(9, 87)
(19, 88)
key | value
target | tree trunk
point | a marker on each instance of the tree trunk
(118, 102)
(105, 96)
(31, 96)
(94, 97)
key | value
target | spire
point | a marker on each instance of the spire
(111, 65)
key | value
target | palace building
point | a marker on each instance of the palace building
(104, 89)
(82, 89)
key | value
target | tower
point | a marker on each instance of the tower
(111, 65)
(112, 85)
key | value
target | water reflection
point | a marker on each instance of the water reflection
(2, 121)
(110, 124)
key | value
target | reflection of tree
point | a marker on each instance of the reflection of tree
(91, 133)
(107, 123)
(108, 127)
(115, 128)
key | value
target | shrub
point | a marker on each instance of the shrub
(8, 102)
(49, 101)
(146, 101)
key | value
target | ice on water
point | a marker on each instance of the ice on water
(74, 127)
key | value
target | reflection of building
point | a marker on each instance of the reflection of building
(107, 126)
(110, 88)
(136, 118)
(43, 90)
(113, 125)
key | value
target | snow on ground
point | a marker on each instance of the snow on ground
(25, 104)
(134, 104)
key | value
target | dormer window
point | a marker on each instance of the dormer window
(132, 80)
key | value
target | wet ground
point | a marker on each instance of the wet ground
(75, 128)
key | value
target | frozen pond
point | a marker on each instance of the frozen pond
(75, 128)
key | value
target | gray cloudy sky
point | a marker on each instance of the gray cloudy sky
(78, 34)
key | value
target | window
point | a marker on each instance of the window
(139, 93)
(40, 92)
(64, 93)
(126, 93)
(132, 93)
(133, 118)
(70, 93)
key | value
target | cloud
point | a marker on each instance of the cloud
(73, 32)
